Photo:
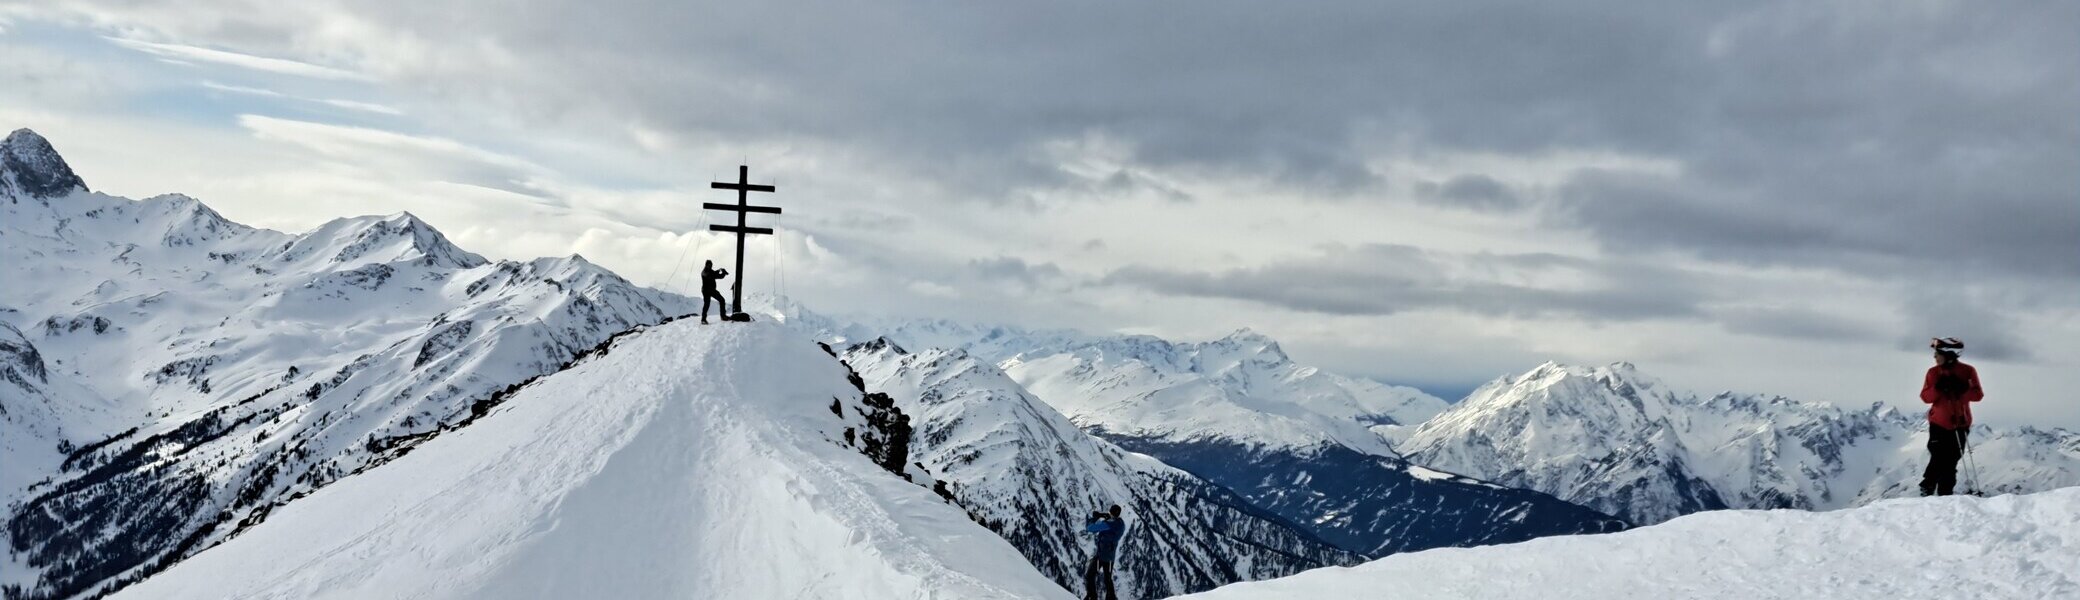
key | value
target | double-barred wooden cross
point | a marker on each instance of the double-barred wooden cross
(744, 187)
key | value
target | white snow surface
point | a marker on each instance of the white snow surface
(2017, 546)
(690, 462)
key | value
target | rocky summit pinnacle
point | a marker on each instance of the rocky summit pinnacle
(29, 166)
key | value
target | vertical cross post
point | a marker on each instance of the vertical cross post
(744, 187)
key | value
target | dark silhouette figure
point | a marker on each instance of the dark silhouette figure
(1949, 389)
(1097, 577)
(709, 275)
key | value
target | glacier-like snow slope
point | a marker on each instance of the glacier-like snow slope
(1242, 387)
(1293, 440)
(175, 375)
(1027, 472)
(687, 461)
(2025, 547)
(1625, 443)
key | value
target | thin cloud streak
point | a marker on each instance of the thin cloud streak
(190, 54)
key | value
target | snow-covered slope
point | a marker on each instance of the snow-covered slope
(1622, 442)
(687, 461)
(197, 373)
(1293, 440)
(2023, 547)
(1028, 473)
(1241, 387)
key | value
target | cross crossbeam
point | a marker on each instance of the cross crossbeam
(736, 229)
(744, 187)
(742, 207)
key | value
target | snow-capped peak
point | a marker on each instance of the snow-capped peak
(30, 167)
(350, 242)
(1555, 381)
(1243, 344)
(882, 343)
(1621, 441)
(277, 363)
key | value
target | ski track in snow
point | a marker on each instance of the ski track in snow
(2023, 547)
(691, 461)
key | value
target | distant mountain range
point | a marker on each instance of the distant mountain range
(1622, 442)
(1608, 438)
(171, 380)
(1027, 472)
(175, 376)
(1238, 412)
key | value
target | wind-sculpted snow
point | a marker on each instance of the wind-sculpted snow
(200, 374)
(2024, 547)
(682, 461)
(1622, 442)
(1029, 474)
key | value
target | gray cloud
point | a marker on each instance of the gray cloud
(1388, 279)
(1808, 131)
(1901, 144)
(1471, 191)
(1986, 333)
(1928, 149)
(1012, 268)
(1794, 323)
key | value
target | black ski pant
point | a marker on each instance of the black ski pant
(709, 294)
(1097, 580)
(1945, 447)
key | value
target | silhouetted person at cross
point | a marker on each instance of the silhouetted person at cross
(709, 275)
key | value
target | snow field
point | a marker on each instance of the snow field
(2020, 546)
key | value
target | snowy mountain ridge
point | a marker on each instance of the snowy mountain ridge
(178, 376)
(274, 365)
(1238, 412)
(1027, 472)
(1623, 442)
(681, 461)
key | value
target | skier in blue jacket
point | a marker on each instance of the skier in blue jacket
(1110, 529)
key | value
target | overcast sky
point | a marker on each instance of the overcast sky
(1771, 197)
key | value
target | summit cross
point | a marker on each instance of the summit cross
(744, 187)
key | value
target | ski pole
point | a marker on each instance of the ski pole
(1971, 465)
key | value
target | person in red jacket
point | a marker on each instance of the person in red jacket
(1949, 389)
